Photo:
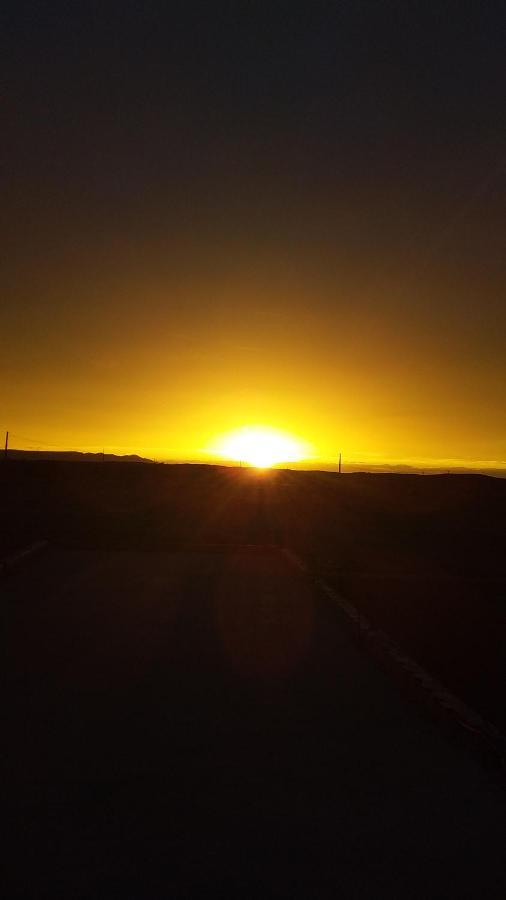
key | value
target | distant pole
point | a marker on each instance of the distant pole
(340, 463)
(6, 450)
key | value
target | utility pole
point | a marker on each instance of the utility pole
(6, 450)
(340, 463)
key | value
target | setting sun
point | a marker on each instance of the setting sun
(260, 447)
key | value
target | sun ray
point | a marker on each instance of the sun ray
(260, 446)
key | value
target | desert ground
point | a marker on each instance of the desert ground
(187, 713)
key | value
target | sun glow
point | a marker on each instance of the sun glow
(260, 447)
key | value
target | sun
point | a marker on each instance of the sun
(260, 446)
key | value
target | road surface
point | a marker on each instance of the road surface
(186, 724)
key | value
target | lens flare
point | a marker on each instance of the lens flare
(260, 446)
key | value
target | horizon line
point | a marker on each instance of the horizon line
(435, 465)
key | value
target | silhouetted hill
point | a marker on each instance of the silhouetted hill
(74, 456)
(364, 468)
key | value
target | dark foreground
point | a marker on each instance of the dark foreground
(422, 557)
(193, 723)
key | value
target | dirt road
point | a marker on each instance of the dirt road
(201, 723)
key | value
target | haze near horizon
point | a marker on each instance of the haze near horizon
(279, 216)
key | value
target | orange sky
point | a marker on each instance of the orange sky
(292, 217)
(134, 368)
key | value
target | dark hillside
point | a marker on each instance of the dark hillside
(422, 556)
